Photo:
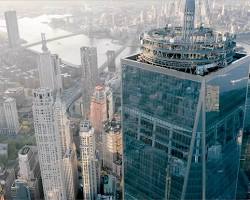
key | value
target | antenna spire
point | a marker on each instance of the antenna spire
(189, 16)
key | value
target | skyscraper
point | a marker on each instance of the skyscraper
(98, 108)
(10, 116)
(68, 149)
(48, 145)
(28, 185)
(12, 28)
(112, 146)
(111, 61)
(98, 115)
(48, 68)
(88, 158)
(56, 150)
(182, 131)
(89, 76)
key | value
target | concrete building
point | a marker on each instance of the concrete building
(29, 181)
(111, 61)
(28, 163)
(12, 28)
(88, 158)
(98, 115)
(68, 149)
(9, 122)
(57, 152)
(48, 144)
(16, 93)
(182, 132)
(112, 145)
(89, 76)
(48, 68)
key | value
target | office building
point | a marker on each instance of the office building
(9, 122)
(48, 144)
(89, 162)
(49, 68)
(28, 163)
(28, 183)
(12, 28)
(98, 115)
(183, 108)
(89, 76)
(67, 147)
(98, 108)
(111, 61)
(112, 145)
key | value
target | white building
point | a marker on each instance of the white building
(67, 147)
(89, 169)
(48, 141)
(29, 173)
(48, 68)
(10, 114)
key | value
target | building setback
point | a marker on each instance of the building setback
(56, 150)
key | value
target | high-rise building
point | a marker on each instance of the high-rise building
(111, 61)
(110, 103)
(48, 68)
(98, 115)
(10, 116)
(89, 76)
(183, 110)
(48, 144)
(56, 150)
(29, 181)
(88, 158)
(98, 108)
(28, 163)
(67, 147)
(12, 28)
(112, 146)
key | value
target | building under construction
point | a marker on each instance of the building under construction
(183, 111)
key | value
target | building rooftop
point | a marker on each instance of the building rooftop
(192, 49)
(206, 50)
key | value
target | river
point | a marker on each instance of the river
(68, 48)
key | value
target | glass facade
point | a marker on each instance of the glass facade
(181, 132)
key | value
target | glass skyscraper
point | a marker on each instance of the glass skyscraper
(183, 110)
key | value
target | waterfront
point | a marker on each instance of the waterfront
(68, 48)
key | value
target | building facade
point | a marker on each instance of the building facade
(48, 144)
(112, 145)
(89, 162)
(89, 77)
(49, 68)
(12, 28)
(9, 121)
(182, 132)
